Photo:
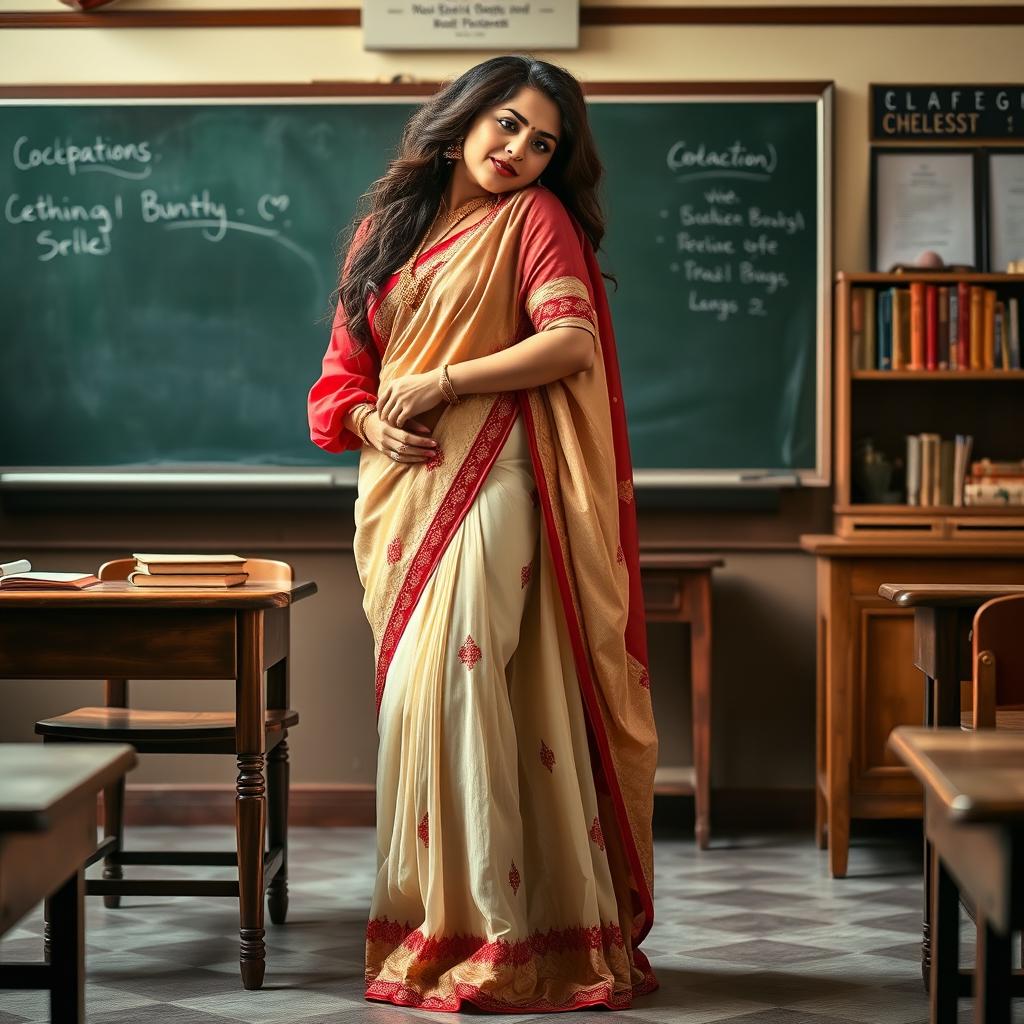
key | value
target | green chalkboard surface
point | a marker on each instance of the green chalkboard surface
(167, 265)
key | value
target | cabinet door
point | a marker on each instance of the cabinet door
(887, 690)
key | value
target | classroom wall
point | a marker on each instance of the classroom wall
(764, 610)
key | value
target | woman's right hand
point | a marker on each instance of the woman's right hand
(413, 445)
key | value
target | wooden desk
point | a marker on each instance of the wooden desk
(974, 817)
(116, 631)
(943, 614)
(866, 680)
(677, 588)
(47, 834)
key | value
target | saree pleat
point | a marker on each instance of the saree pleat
(493, 883)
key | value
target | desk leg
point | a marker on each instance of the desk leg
(250, 795)
(992, 976)
(67, 951)
(929, 860)
(945, 966)
(277, 793)
(277, 834)
(937, 639)
(700, 676)
(250, 822)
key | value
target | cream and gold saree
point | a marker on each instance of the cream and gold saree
(517, 744)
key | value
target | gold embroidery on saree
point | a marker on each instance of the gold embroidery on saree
(563, 302)
(428, 269)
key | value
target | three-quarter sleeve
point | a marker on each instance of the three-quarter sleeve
(553, 268)
(350, 376)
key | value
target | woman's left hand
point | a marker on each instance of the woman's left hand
(405, 397)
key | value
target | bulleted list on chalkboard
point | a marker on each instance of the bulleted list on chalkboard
(730, 252)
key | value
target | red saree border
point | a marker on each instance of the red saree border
(452, 510)
(586, 680)
(499, 953)
(401, 995)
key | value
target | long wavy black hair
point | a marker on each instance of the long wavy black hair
(402, 204)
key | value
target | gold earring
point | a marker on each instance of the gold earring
(453, 152)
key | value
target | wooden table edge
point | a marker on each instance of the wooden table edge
(123, 758)
(955, 595)
(957, 808)
(231, 598)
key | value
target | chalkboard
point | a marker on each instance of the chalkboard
(168, 261)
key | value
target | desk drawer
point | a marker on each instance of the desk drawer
(118, 643)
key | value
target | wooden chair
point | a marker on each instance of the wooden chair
(184, 732)
(997, 684)
(998, 658)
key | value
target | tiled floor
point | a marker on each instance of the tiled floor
(752, 931)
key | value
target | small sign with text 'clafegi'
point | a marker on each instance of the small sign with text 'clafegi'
(457, 25)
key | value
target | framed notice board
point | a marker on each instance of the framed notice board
(173, 249)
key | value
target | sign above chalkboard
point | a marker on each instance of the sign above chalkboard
(458, 25)
(946, 113)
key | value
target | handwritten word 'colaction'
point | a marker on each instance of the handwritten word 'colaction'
(735, 157)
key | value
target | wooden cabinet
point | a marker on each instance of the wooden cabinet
(867, 683)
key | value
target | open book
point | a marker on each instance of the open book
(48, 581)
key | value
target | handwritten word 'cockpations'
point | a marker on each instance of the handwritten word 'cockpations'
(99, 155)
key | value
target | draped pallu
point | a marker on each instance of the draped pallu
(476, 674)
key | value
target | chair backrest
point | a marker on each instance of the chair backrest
(998, 650)
(261, 570)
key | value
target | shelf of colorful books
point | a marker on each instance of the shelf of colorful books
(939, 322)
(933, 375)
(909, 442)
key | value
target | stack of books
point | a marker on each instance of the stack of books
(936, 469)
(188, 571)
(925, 326)
(995, 483)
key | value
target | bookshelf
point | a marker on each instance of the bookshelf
(887, 405)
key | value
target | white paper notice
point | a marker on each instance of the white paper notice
(457, 25)
(924, 202)
(1006, 209)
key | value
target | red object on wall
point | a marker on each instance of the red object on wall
(85, 5)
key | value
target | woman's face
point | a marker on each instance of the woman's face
(508, 146)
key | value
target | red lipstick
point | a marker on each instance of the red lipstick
(504, 169)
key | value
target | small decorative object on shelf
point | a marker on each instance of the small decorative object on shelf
(873, 471)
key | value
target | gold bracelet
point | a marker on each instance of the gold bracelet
(359, 418)
(446, 387)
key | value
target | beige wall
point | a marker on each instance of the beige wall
(764, 614)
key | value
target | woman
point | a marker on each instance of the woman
(472, 360)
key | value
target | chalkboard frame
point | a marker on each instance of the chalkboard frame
(170, 476)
